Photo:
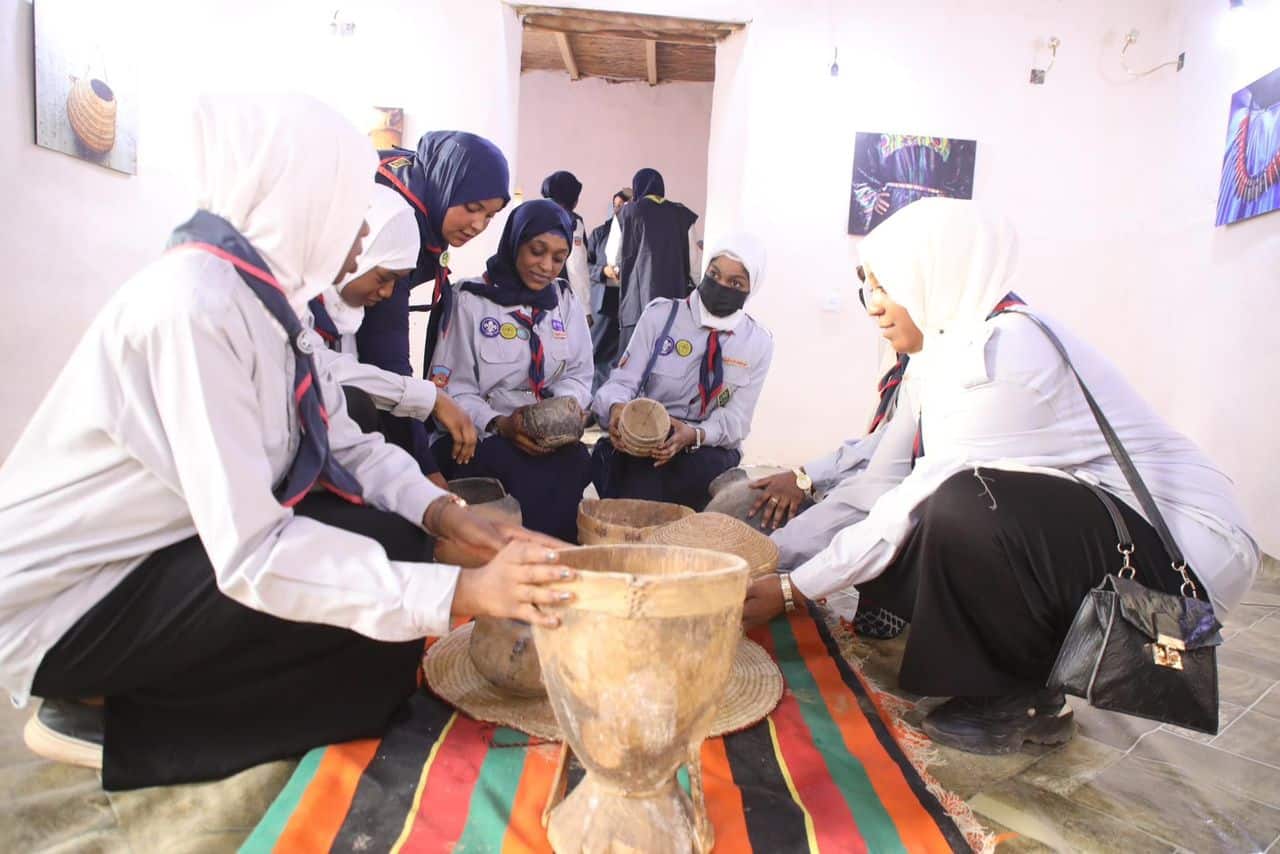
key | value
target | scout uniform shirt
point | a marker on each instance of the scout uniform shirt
(483, 356)
(746, 353)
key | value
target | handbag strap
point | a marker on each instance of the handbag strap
(657, 349)
(1124, 539)
(1122, 457)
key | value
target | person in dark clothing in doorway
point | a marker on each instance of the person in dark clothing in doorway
(649, 248)
(604, 294)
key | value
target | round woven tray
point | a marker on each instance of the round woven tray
(753, 690)
(623, 520)
(721, 533)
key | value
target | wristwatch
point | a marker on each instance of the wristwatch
(788, 598)
(803, 481)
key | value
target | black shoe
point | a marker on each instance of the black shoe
(878, 623)
(66, 731)
(998, 725)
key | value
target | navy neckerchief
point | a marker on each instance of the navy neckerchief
(710, 368)
(540, 302)
(323, 323)
(537, 366)
(314, 463)
(917, 447)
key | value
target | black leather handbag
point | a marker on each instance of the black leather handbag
(1132, 649)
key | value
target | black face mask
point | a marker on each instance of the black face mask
(718, 299)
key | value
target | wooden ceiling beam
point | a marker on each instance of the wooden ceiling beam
(651, 61)
(586, 19)
(631, 35)
(566, 54)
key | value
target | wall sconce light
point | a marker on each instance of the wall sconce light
(1038, 75)
(1237, 4)
(835, 65)
(1130, 39)
(341, 26)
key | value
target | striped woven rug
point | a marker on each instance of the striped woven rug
(822, 773)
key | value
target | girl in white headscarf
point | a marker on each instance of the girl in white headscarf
(390, 253)
(703, 358)
(194, 531)
(991, 543)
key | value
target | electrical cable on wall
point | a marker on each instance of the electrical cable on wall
(1131, 38)
(1038, 75)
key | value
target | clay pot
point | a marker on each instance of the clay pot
(633, 674)
(503, 652)
(554, 422)
(487, 496)
(623, 520)
(732, 495)
(91, 109)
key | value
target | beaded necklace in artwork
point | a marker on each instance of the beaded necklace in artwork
(1250, 187)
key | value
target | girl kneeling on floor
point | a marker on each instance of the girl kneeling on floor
(194, 530)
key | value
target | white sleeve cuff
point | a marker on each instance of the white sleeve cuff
(428, 594)
(418, 401)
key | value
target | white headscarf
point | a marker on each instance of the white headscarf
(392, 244)
(947, 262)
(290, 174)
(747, 250)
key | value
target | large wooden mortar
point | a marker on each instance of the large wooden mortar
(634, 674)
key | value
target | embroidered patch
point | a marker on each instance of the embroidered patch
(557, 327)
(737, 363)
(508, 331)
(666, 346)
(522, 334)
(440, 375)
(398, 163)
(684, 347)
(444, 258)
(489, 327)
(724, 397)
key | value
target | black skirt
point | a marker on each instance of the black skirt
(198, 686)
(993, 574)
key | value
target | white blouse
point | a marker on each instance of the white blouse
(174, 417)
(1005, 399)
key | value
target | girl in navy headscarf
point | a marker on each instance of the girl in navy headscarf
(564, 189)
(455, 182)
(519, 336)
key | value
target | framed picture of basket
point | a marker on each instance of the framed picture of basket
(1250, 182)
(892, 170)
(86, 94)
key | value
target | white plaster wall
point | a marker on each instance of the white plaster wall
(603, 132)
(1112, 182)
(72, 232)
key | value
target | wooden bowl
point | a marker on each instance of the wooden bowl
(623, 520)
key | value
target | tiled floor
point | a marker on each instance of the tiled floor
(1125, 784)
(1122, 785)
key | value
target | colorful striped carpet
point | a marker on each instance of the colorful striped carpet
(823, 773)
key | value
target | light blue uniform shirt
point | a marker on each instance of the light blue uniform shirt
(482, 359)
(747, 352)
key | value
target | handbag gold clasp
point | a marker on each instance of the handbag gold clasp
(1167, 652)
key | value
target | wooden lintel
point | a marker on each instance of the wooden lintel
(560, 26)
(651, 61)
(566, 54)
(583, 19)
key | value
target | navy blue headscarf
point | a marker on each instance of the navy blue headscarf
(449, 168)
(648, 182)
(562, 188)
(502, 282)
